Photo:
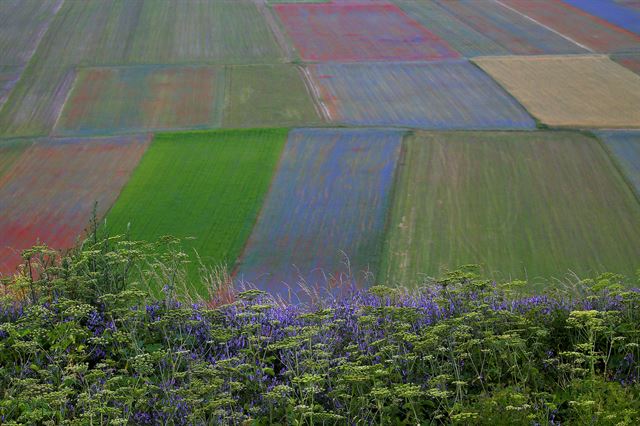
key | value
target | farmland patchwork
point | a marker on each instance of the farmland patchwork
(217, 120)
(206, 185)
(588, 30)
(462, 37)
(514, 32)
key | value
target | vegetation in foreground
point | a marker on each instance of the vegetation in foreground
(78, 345)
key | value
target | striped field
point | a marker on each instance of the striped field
(514, 32)
(49, 193)
(616, 12)
(220, 31)
(117, 99)
(588, 30)
(10, 151)
(524, 204)
(625, 148)
(22, 25)
(435, 95)
(458, 34)
(570, 91)
(82, 33)
(206, 185)
(328, 203)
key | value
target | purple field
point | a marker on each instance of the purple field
(329, 199)
(436, 95)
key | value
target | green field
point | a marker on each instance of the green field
(221, 31)
(208, 185)
(268, 95)
(525, 205)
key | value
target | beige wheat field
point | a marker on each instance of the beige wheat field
(580, 91)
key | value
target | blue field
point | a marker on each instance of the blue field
(434, 95)
(609, 10)
(327, 204)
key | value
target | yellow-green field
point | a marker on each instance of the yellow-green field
(524, 204)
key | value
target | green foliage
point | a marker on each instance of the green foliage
(83, 347)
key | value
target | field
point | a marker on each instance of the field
(10, 151)
(119, 32)
(570, 91)
(458, 34)
(22, 25)
(305, 212)
(54, 206)
(524, 204)
(437, 95)
(207, 185)
(96, 70)
(625, 147)
(221, 31)
(117, 99)
(9, 76)
(327, 204)
(82, 32)
(590, 31)
(359, 32)
(268, 95)
(631, 61)
(517, 34)
(616, 12)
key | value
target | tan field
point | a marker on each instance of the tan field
(579, 91)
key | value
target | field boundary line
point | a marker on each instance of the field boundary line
(315, 92)
(279, 35)
(75, 73)
(615, 163)
(506, 6)
(237, 263)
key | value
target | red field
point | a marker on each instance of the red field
(48, 195)
(359, 32)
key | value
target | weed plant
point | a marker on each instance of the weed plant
(82, 343)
